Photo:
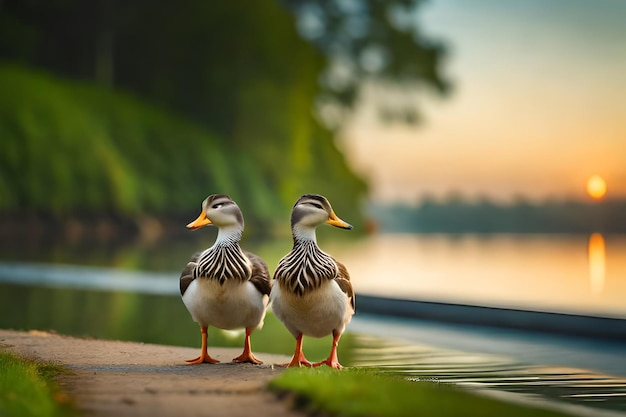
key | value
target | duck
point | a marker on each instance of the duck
(225, 286)
(311, 293)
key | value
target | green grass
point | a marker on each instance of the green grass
(366, 392)
(29, 389)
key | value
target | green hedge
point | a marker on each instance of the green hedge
(69, 145)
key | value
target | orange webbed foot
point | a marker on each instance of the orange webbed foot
(298, 361)
(247, 357)
(332, 359)
(204, 358)
(204, 354)
(330, 362)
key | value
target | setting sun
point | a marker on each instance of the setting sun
(596, 187)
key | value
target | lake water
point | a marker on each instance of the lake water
(73, 289)
(564, 273)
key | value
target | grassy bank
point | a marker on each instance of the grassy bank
(29, 389)
(366, 392)
(75, 151)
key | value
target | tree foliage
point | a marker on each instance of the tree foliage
(371, 41)
(72, 146)
(232, 86)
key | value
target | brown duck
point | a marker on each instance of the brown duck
(312, 294)
(224, 286)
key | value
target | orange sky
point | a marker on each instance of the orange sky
(539, 106)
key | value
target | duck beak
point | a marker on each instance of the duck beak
(201, 221)
(333, 220)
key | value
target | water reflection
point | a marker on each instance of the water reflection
(597, 262)
(536, 272)
(563, 273)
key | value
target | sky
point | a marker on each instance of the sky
(539, 106)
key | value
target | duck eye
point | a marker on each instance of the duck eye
(218, 205)
(319, 206)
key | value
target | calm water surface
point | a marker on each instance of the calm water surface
(565, 273)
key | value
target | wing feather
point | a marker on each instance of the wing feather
(186, 277)
(260, 276)
(343, 279)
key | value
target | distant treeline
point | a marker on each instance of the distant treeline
(485, 216)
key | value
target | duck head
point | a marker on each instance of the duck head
(310, 211)
(219, 210)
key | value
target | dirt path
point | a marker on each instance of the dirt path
(112, 378)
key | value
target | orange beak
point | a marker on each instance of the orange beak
(333, 220)
(201, 221)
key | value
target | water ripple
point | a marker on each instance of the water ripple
(492, 372)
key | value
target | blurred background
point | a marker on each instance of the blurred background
(479, 149)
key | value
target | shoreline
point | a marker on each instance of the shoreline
(552, 322)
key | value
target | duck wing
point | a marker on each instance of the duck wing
(260, 276)
(343, 279)
(186, 277)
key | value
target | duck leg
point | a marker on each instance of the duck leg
(332, 359)
(204, 354)
(247, 355)
(298, 356)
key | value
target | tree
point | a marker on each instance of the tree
(241, 72)
(370, 41)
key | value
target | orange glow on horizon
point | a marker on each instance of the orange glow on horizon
(596, 187)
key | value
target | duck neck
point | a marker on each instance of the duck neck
(228, 236)
(303, 234)
(225, 260)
